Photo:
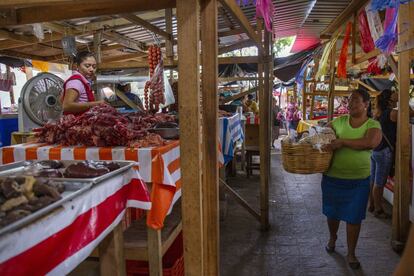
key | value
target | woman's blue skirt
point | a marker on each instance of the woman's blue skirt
(345, 199)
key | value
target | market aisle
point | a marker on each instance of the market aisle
(295, 243)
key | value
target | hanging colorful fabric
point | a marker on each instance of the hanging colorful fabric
(367, 44)
(378, 5)
(265, 9)
(341, 71)
(375, 27)
(374, 23)
(386, 43)
(323, 63)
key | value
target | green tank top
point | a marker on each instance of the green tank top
(348, 163)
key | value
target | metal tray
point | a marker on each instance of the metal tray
(72, 190)
(19, 168)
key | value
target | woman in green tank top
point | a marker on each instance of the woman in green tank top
(345, 186)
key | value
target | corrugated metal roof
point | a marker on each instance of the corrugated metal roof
(304, 19)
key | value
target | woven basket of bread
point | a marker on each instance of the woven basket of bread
(304, 158)
(303, 155)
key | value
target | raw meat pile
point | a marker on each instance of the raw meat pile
(103, 126)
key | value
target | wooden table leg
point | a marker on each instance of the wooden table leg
(111, 253)
(154, 252)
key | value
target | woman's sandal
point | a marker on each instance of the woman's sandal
(331, 248)
(381, 214)
(354, 265)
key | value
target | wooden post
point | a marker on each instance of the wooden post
(169, 29)
(331, 94)
(111, 253)
(304, 95)
(97, 38)
(188, 23)
(264, 128)
(210, 137)
(401, 223)
(154, 252)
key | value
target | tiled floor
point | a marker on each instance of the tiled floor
(294, 245)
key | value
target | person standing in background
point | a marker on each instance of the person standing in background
(275, 121)
(292, 115)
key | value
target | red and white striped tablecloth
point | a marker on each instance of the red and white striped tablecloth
(159, 165)
(57, 243)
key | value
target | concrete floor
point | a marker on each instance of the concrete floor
(295, 243)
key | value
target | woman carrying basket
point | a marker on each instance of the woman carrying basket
(346, 185)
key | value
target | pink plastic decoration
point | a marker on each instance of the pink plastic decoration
(265, 9)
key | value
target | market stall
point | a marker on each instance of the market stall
(61, 239)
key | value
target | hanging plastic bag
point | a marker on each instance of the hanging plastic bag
(341, 72)
(38, 31)
(168, 93)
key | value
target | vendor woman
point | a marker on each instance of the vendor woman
(78, 95)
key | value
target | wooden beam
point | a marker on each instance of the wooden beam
(15, 54)
(234, 9)
(238, 45)
(57, 12)
(265, 99)
(331, 97)
(368, 56)
(134, 64)
(231, 32)
(169, 45)
(118, 58)
(139, 21)
(237, 60)
(401, 203)
(125, 41)
(225, 17)
(188, 22)
(240, 95)
(241, 201)
(345, 15)
(16, 37)
(365, 85)
(210, 191)
(97, 43)
(104, 48)
(393, 64)
(7, 44)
